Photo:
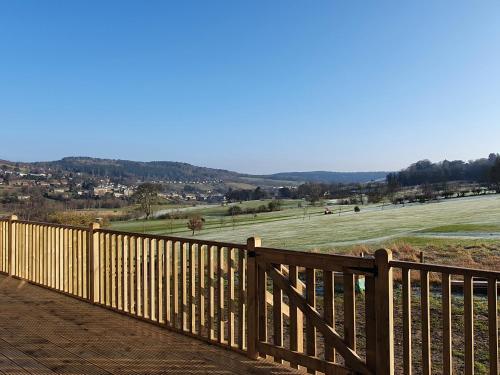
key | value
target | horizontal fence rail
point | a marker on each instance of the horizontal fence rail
(322, 313)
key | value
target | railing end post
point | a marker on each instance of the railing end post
(93, 256)
(383, 255)
(94, 226)
(384, 313)
(253, 242)
(11, 244)
(252, 306)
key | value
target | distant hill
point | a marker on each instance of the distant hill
(328, 177)
(153, 170)
(177, 171)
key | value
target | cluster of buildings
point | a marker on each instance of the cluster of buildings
(75, 185)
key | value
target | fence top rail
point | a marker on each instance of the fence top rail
(173, 238)
(429, 267)
(327, 262)
(53, 225)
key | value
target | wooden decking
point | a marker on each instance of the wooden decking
(45, 332)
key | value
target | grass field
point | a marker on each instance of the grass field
(469, 227)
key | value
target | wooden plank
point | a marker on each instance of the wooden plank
(85, 265)
(34, 274)
(184, 307)
(220, 295)
(113, 271)
(296, 319)
(74, 237)
(211, 293)
(168, 285)
(145, 278)
(132, 271)
(446, 316)
(329, 262)
(192, 289)
(242, 279)
(29, 257)
(45, 255)
(31, 267)
(102, 270)
(407, 349)
(277, 319)
(125, 274)
(33, 252)
(49, 253)
(79, 276)
(230, 297)
(27, 252)
(160, 304)
(262, 305)
(2, 246)
(61, 256)
(119, 272)
(349, 310)
(493, 325)
(425, 317)
(175, 286)
(306, 361)
(71, 260)
(35, 255)
(55, 261)
(371, 323)
(138, 276)
(329, 302)
(200, 289)
(181, 239)
(311, 301)
(468, 325)
(152, 278)
(445, 269)
(109, 270)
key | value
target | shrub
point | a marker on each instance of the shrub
(76, 219)
(234, 210)
(262, 208)
(274, 205)
(357, 209)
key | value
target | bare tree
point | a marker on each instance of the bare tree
(195, 223)
(146, 194)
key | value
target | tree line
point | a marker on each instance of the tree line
(483, 170)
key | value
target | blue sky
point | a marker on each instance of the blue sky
(252, 86)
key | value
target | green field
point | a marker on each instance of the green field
(453, 225)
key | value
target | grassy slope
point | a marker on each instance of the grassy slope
(417, 225)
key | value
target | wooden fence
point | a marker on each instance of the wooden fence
(331, 314)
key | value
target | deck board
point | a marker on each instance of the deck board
(45, 332)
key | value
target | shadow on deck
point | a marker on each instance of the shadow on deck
(44, 332)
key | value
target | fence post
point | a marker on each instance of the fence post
(252, 298)
(93, 248)
(11, 244)
(384, 313)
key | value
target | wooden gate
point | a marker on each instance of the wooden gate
(294, 304)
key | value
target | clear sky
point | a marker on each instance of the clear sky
(253, 86)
